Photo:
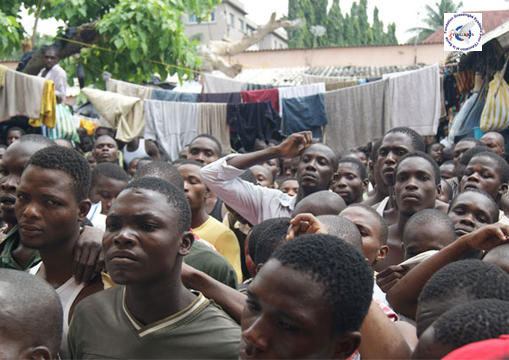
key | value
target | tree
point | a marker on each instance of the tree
(132, 39)
(434, 19)
(335, 25)
(378, 28)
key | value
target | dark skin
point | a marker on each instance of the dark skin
(483, 172)
(88, 258)
(12, 136)
(106, 190)
(494, 141)
(196, 193)
(150, 148)
(348, 183)
(49, 215)
(105, 149)
(461, 147)
(144, 252)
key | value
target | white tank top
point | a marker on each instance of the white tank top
(138, 153)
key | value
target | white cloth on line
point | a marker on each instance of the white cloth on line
(129, 89)
(59, 77)
(299, 91)
(172, 124)
(215, 84)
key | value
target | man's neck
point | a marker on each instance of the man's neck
(198, 217)
(58, 262)
(402, 220)
(159, 299)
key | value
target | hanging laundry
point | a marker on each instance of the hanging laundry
(213, 122)
(355, 115)
(48, 114)
(299, 91)
(412, 99)
(215, 84)
(129, 89)
(21, 94)
(170, 95)
(250, 86)
(339, 85)
(304, 113)
(451, 96)
(252, 121)
(66, 125)
(172, 124)
(120, 112)
(256, 96)
(221, 98)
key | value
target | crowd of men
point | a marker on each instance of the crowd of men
(393, 250)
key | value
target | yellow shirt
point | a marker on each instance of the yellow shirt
(224, 240)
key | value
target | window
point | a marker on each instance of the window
(241, 25)
(231, 19)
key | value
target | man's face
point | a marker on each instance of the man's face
(494, 141)
(415, 187)
(12, 136)
(106, 190)
(47, 210)
(50, 58)
(460, 148)
(469, 212)
(203, 150)
(13, 164)
(273, 166)
(315, 168)
(393, 147)
(347, 183)
(290, 187)
(92, 163)
(482, 172)
(105, 150)
(361, 156)
(263, 175)
(194, 188)
(290, 166)
(436, 152)
(447, 171)
(285, 316)
(419, 238)
(370, 229)
(140, 243)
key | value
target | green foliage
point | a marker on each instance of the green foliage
(11, 34)
(342, 30)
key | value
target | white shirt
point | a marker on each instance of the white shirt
(253, 202)
(59, 77)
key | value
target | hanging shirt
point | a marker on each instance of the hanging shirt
(170, 95)
(256, 96)
(222, 98)
(59, 77)
(304, 113)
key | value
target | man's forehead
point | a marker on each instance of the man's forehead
(320, 150)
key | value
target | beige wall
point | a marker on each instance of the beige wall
(355, 56)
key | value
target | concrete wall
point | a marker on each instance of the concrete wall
(345, 56)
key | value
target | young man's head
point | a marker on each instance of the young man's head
(31, 317)
(272, 237)
(448, 170)
(350, 180)
(341, 227)
(263, 175)
(472, 209)
(252, 240)
(108, 180)
(464, 324)
(494, 141)
(102, 130)
(52, 198)
(323, 202)
(499, 256)
(195, 189)
(289, 186)
(458, 283)
(416, 183)
(308, 301)
(147, 233)
(13, 134)
(51, 57)
(395, 144)
(205, 149)
(316, 166)
(289, 166)
(273, 166)
(162, 170)
(13, 163)
(373, 229)
(105, 149)
(446, 192)
(92, 163)
(486, 171)
(436, 150)
(428, 229)
(133, 166)
(462, 146)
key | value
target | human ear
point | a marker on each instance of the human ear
(439, 190)
(346, 344)
(83, 209)
(502, 189)
(257, 269)
(37, 353)
(186, 243)
(365, 184)
(382, 252)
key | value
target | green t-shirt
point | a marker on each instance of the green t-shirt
(102, 327)
(7, 246)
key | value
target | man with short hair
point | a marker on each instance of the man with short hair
(13, 134)
(108, 180)
(205, 149)
(350, 180)
(54, 72)
(150, 314)
(105, 149)
(494, 141)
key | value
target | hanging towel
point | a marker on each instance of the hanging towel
(253, 121)
(47, 114)
(170, 95)
(299, 91)
(66, 125)
(304, 113)
(213, 122)
(59, 77)
(129, 89)
(221, 98)
(355, 115)
(120, 112)
(255, 96)
(339, 85)
(214, 84)
(412, 99)
(20, 95)
(172, 124)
